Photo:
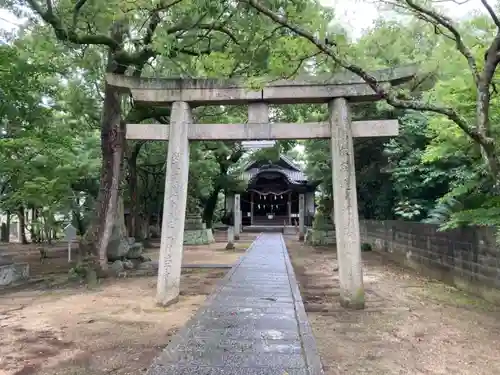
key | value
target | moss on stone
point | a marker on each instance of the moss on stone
(356, 302)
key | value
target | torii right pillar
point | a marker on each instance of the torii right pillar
(352, 294)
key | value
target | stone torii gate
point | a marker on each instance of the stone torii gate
(184, 94)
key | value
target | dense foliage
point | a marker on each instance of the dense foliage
(56, 113)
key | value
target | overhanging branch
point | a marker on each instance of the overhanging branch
(70, 35)
(456, 37)
(384, 92)
(491, 12)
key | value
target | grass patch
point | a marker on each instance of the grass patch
(451, 296)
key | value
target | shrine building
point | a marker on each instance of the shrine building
(273, 192)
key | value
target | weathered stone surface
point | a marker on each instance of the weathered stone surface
(135, 251)
(198, 237)
(323, 231)
(346, 206)
(237, 216)
(5, 260)
(317, 237)
(263, 130)
(12, 273)
(467, 258)
(323, 222)
(174, 206)
(128, 264)
(148, 266)
(117, 266)
(213, 91)
(253, 324)
(194, 222)
(154, 231)
(118, 246)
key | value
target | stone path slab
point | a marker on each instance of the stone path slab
(253, 324)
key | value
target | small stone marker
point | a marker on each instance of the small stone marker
(70, 236)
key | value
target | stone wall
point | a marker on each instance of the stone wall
(467, 258)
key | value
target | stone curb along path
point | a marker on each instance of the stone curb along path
(254, 323)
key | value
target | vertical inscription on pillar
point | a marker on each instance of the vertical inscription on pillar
(237, 217)
(346, 206)
(174, 206)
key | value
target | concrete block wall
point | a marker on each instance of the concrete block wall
(467, 258)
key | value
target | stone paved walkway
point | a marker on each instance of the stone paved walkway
(253, 324)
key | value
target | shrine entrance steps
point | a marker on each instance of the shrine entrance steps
(264, 229)
(265, 221)
(253, 324)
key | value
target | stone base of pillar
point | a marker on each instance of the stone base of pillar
(196, 232)
(230, 238)
(236, 237)
(301, 236)
(169, 302)
(355, 302)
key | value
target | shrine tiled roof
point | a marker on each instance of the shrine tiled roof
(293, 176)
(285, 166)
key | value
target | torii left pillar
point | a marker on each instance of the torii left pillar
(174, 205)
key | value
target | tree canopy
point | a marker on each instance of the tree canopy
(62, 149)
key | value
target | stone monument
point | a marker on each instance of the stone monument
(10, 272)
(195, 230)
(323, 230)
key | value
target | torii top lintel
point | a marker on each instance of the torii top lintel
(203, 91)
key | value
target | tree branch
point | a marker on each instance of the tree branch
(70, 35)
(456, 37)
(141, 113)
(216, 26)
(76, 11)
(121, 57)
(492, 13)
(384, 92)
(146, 53)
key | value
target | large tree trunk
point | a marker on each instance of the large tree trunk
(8, 226)
(112, 146)
(22, 225)
(210, 206)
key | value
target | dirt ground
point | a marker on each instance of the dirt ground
(411, 325)
(56, 262)
(113, 329)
